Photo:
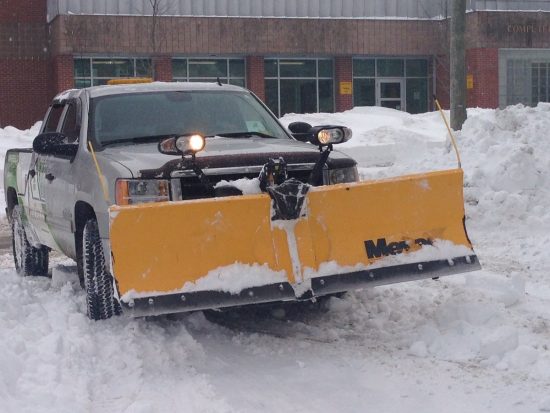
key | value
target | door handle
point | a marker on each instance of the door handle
(49, 177)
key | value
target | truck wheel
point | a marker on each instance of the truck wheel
(98, 282)
(29, 260)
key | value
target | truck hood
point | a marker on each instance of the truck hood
(145, 160)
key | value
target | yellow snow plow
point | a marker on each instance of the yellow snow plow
(293, 242)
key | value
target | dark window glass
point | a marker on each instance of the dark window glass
(70, 128)
(208, 79)
(113, 68)
(53, 118)
(144, 68)
(272, 95)
(270, 68)
(81, 83)
(363, 67)
(364, 93)
(417, 95)
(326, 95)
(236, 68)
(207, 68)
(179, 68)
(325, 68)
(237, 82)
(82, 68)
(390, 90)
(297, 68)
(392, 104)
(99, 82)
(417, 68)
(298, 96)
(390, 67)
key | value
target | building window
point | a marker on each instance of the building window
(299, 85)
(540, 85)
(230, 71)
(398, 83)
(524, 76)
(98, 71)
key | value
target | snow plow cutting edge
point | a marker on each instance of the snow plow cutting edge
(221, 252)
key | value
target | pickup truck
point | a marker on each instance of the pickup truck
(100, 146)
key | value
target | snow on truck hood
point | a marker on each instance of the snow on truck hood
(146, 156)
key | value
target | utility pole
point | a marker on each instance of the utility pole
(458, 64)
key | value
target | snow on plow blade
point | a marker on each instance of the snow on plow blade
(221, 252)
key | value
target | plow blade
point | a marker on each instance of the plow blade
(221, 252)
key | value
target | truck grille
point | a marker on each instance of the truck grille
(191, 187)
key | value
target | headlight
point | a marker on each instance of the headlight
(137, 191)
(343, 175)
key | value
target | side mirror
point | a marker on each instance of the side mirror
(301, 131)
(54, 143)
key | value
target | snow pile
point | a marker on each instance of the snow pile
(11, 137)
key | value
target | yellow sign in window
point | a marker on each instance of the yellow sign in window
(346, 88)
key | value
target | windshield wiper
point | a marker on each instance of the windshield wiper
(243, 135)
(137, 139)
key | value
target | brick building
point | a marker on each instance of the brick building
(296, 55)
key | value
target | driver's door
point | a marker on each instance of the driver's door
(60, 187)
(37, 182)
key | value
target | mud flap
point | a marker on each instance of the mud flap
(230, 248)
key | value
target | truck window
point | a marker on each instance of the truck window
(70, 128)
(53, 118)
(126, 116)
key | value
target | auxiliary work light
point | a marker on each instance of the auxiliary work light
(183, 145)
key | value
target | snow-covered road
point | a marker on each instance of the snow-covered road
(470, 343)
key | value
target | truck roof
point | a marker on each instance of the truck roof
(106, 90)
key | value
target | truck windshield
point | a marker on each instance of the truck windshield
(118, 118)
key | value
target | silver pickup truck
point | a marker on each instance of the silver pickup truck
(100, 146)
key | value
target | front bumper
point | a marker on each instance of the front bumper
(320, 286)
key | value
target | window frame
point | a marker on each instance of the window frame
(91, 59)
(405, 76)
(228, 77)
(278, 78)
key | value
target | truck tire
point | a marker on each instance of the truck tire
(100, 300)
(28, 260)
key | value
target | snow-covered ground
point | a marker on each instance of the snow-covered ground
(470, 343)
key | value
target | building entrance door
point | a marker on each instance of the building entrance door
(390, 93)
